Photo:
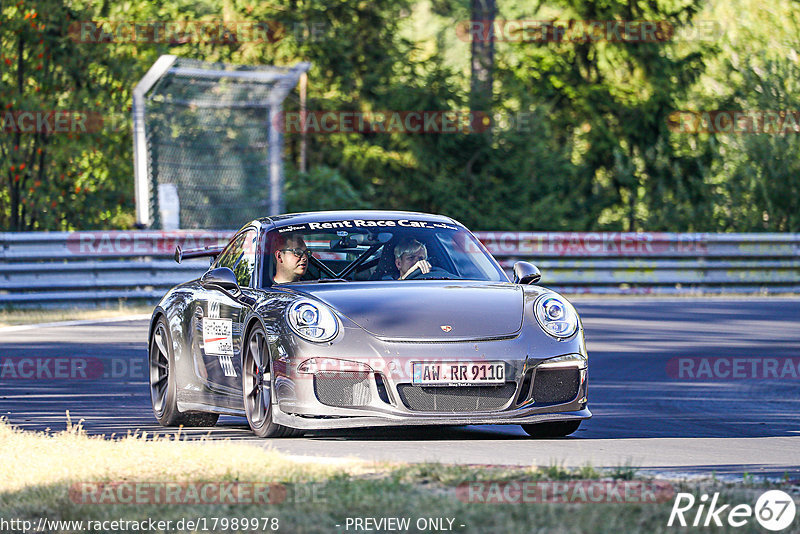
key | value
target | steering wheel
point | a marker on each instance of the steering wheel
(435, 272)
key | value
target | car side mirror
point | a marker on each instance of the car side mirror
(526, 273)
(221, 278)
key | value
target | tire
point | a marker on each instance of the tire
(558, 429)
(163, 387)
(257, 388)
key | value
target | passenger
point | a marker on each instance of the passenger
(291, 259)
(410, 255)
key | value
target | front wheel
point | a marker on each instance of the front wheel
(257, 388)
(163, 387)
(558, 429)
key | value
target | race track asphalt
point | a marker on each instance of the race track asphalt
(649, 411)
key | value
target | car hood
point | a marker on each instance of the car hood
(424, 309)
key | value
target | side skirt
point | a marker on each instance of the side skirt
(200, 407)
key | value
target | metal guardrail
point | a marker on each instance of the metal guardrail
(75, 267)
(655, 263)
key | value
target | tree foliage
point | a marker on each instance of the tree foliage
(579, 137)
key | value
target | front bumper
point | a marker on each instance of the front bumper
(319, 423)
(377, 398)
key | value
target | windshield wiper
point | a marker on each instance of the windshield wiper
(322, 280)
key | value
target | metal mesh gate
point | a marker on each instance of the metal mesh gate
(208, 143)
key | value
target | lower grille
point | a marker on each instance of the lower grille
(555, 386)
(456, 399)
(342, 389)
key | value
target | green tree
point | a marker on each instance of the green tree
(609, 100)
(47, 174)
(760, 185)
(582, 141)
(755, 176)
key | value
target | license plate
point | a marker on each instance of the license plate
(458, 373)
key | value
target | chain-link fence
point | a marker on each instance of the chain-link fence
(207, 144)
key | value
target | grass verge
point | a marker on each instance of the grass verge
(69, 476)
(19, 316)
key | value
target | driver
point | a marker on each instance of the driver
(410, 255)
(291, 258)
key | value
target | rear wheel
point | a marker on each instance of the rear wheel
(558, 429)
(257, 388)
(163, 388)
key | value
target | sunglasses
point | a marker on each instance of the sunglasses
(298, 252)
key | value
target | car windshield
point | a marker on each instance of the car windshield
(376, 250)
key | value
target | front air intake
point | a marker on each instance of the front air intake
(456, 398)
(342, 390)
(556, 386)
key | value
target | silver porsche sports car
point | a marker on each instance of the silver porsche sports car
(355, 319)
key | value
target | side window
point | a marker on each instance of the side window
(231, 254)
(246, 264)
(240, 257)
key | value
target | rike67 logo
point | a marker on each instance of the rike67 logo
(774, 510)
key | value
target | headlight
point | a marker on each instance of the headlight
(312, 321)
(556, 316)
